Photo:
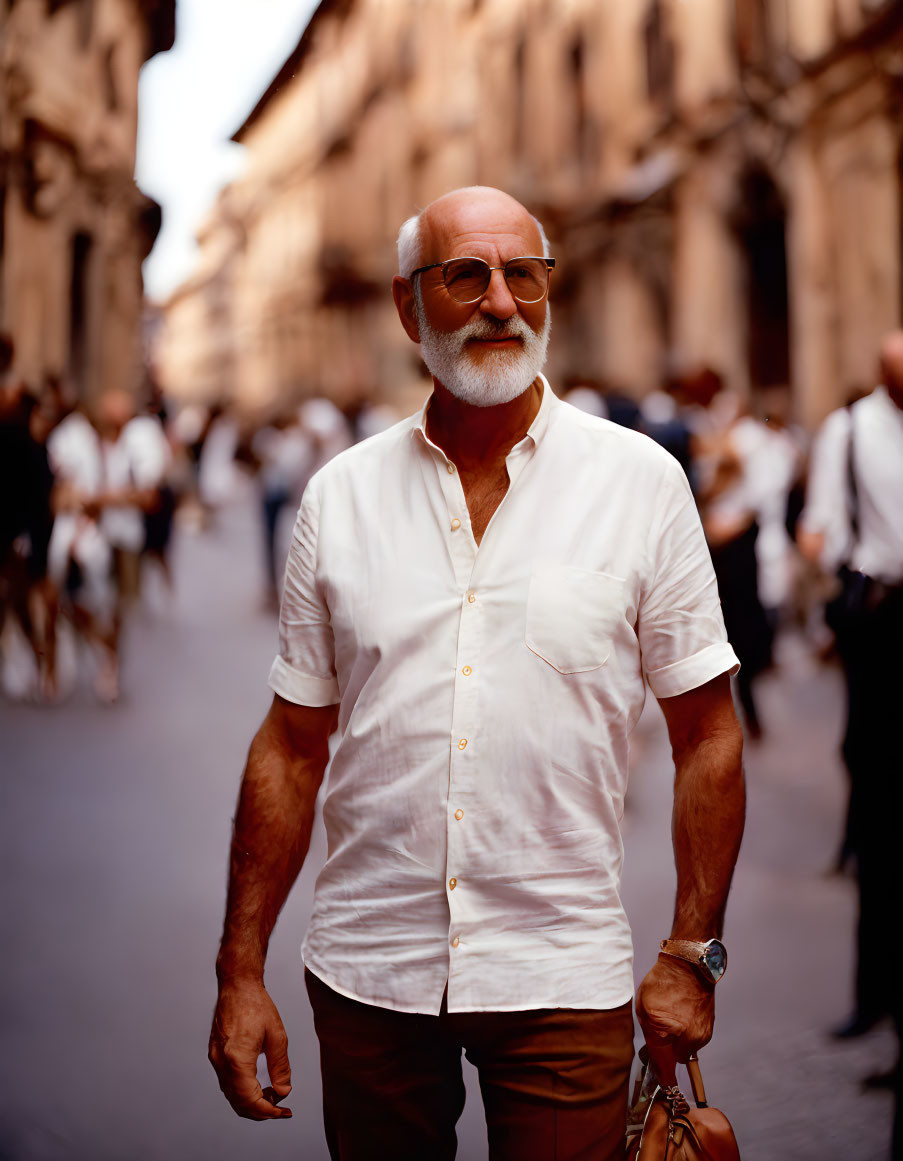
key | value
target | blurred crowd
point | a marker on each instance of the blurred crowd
(89, 497)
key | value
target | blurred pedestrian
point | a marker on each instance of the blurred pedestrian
(26, 523)
(158, 476)
(662, 419)
(602, 399)
(585, 396)
(80, 558)
(217, 446)
(135, 459)
(187, 431)
(365, 418)
(475, 596)
(723, 444)
(326, 427)
(853, 524)
(285, 455)
(774, 453)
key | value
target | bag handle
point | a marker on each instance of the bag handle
(695, 1075)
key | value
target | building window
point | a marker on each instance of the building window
(85, 22)
(109, 78)
(520, 91)
(577, 62)
(761, 226)
(82, 244)
(659, 55)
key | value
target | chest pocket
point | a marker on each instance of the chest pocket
(572, 614)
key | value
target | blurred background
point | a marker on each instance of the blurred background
(198, 209)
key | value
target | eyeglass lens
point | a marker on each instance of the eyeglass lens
(467, 279)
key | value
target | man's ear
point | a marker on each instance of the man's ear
(403, 293)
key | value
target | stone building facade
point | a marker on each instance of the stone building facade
(74, 228)
(721, 181)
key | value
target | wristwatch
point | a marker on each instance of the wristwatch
(709, 958)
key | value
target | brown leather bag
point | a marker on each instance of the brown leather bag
(662, 1127)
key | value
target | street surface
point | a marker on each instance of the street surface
(114, 831)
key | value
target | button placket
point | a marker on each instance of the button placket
(464, 759)
(461, 546)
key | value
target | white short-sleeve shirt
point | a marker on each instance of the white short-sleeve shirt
(487, 694)
(875, 425)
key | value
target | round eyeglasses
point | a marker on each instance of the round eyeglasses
(467, 279)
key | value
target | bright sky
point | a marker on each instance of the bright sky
(191, 101)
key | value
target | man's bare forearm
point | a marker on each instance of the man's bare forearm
(675, 1004)
(709, 814)
(272, 831)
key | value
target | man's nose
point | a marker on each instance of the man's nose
(498, 300)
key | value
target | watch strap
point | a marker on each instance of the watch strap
(689, 949)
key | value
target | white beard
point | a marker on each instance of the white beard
(501, 376)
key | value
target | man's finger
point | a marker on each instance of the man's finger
(250, 1101)
(275, 1048)
(270, 1094)
(662, 1060)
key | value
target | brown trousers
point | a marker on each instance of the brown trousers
(553, 1081)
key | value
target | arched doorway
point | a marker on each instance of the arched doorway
(760, 222)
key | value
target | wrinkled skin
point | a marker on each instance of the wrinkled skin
(676, 1010)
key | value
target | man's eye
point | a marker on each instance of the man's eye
(463, 273)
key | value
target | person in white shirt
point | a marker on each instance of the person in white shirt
(285, 455)
(853, 519)
(80, 557)
(476, 599)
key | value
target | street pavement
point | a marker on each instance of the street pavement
(113, 837)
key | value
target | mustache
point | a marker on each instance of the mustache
(495, 328)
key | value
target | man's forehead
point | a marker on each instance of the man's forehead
(467, 221)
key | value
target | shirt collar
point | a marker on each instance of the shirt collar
(535, 432)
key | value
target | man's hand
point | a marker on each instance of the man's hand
(246, 1023)
(676, 1010)
(275, 814)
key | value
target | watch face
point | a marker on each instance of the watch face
(715, 958)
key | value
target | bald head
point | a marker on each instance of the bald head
(892, 366)
(477, 211)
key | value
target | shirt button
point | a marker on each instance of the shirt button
(450, 468)
(459, 814)
(452, 883)
(455, 524)
(455, 941)
(471, 596)
(467, 671)
(462, 745)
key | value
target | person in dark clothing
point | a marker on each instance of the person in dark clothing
(853, 522)
(26, 521)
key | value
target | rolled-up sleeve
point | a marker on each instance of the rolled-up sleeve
(681, 627)
(304, 669)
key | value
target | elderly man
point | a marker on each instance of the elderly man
(476, 596)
